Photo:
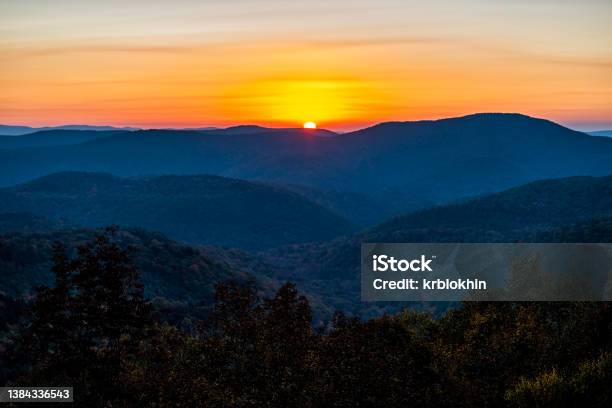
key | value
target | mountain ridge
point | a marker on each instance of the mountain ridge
(328, 270)
(205, 209)
(408, 165)
(55, 137)
(20, 130)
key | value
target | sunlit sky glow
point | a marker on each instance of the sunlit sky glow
(342, 64)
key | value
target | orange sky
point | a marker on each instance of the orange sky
(343, 64)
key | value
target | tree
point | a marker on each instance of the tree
(261, 347)
(588, 385)
(376, 363)
(88, 324)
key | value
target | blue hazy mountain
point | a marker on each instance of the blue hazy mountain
(57, 137)
(194, 128)
(253, 129)
(405, 165)
(9, 130)
(537, 205)
(18, 130)
(199, 209)
(361, 209)
(606, 133)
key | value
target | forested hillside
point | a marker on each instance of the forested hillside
(197, 209)
(94, 329)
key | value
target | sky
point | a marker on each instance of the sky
(343, 64)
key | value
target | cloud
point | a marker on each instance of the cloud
(372, 41)
(108, 48)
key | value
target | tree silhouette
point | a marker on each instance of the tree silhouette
(93, 330)
(86, 325)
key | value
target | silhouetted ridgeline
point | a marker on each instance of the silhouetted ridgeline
(407, 165)
(8, 130)
(49, 138)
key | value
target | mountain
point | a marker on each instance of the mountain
(8, 130)
(245, 130)
(54, 138)
(606, 133)
(195, 128)
(575, 209)
(164, 152)
(361, 209)
(179, 278)
(404, 165)
(252, 129)
(476, 154)
(200, 209)
(537, 205)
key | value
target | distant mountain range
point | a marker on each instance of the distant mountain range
(54, 138)
(606, 133)
(9, 130)
(197, 209)
(401, 166)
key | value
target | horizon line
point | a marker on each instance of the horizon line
(577, 126)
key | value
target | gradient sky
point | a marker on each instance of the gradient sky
(343, 64)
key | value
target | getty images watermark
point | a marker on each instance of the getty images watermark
(504, 272)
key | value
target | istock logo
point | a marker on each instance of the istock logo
(382, 263)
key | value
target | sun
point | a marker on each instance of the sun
(310, 125)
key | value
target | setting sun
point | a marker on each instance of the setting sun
(310, 125)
